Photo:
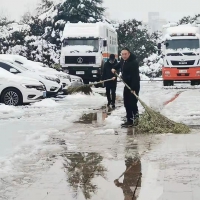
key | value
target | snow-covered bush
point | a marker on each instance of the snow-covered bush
(152, 66)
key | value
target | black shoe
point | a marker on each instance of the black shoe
(108, 103)
(113, 105)
(127, 124)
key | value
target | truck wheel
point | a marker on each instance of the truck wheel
(195, 82)
(168, 83)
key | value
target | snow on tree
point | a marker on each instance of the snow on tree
(80, 10)
(189, 19)
(152, 66)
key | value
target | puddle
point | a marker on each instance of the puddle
(90, 176)
(96, 117)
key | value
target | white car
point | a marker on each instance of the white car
(16, 90)
(76, 80)
(64, 78)
(51, 83)
(38, 66)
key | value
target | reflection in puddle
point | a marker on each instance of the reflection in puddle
(89, 174)
(132, 179)
(81, 169)
(131, 183)
(97, 117)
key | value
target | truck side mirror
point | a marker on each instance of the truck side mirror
(159, 46)
(104, 43)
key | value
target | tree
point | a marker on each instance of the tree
(26, 18)
(188, 19)
(44, 6)
(81, 168)
(81, 10)
(137, 39)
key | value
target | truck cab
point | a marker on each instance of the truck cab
(85, 48)
(180, 48)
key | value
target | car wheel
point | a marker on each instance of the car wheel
(11, 97)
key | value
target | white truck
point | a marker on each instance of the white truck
(85, 48)
(180, 48)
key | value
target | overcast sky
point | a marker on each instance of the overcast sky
(172, 10)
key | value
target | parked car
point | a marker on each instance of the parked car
(38, 66)
(52, 83)
(16, 90)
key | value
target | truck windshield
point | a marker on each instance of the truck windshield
(182, 43)
(81, 42)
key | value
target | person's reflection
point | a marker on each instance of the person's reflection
(132, 179)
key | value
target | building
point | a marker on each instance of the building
(153, 18)
(154, 22)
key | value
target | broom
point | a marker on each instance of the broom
(86, 89)
(154, 122)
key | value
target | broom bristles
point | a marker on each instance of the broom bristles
(154, 122)
(86, 89)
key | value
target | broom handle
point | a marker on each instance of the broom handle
(100, 82)
(127, 85)
(133, 164)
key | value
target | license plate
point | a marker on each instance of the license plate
(183, 71)
(44, 94)
(80, 72)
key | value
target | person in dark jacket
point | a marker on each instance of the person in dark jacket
(110, 85)
(130, 74)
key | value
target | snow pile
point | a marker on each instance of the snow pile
(115, 119)
(152, 66)
(82, 100)
(45, 103)
(10, 112)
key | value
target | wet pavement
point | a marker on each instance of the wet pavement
(92, 156)
(83, 161)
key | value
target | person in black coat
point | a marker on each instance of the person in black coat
(130, 74)
(110, 85)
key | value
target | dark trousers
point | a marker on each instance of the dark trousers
(130, 104)
(111, 91)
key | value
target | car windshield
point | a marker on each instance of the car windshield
(82, 42)
(182, 44)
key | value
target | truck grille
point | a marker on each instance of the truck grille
(186, 62)
(80, 59)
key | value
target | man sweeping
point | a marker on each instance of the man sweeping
(130, 74)
(110, 85)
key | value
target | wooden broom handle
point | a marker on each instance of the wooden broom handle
(126, 85)
(101, 82)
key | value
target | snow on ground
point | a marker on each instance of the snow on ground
(29, 141)
(185, 108)
(26, 142)
(45, 103)
(9, 111)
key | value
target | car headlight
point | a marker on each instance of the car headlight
(51, 79)
(63, 76)
(37, 87)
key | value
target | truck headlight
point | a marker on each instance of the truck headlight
(98, 60)
(167, 72)
(94, 71)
